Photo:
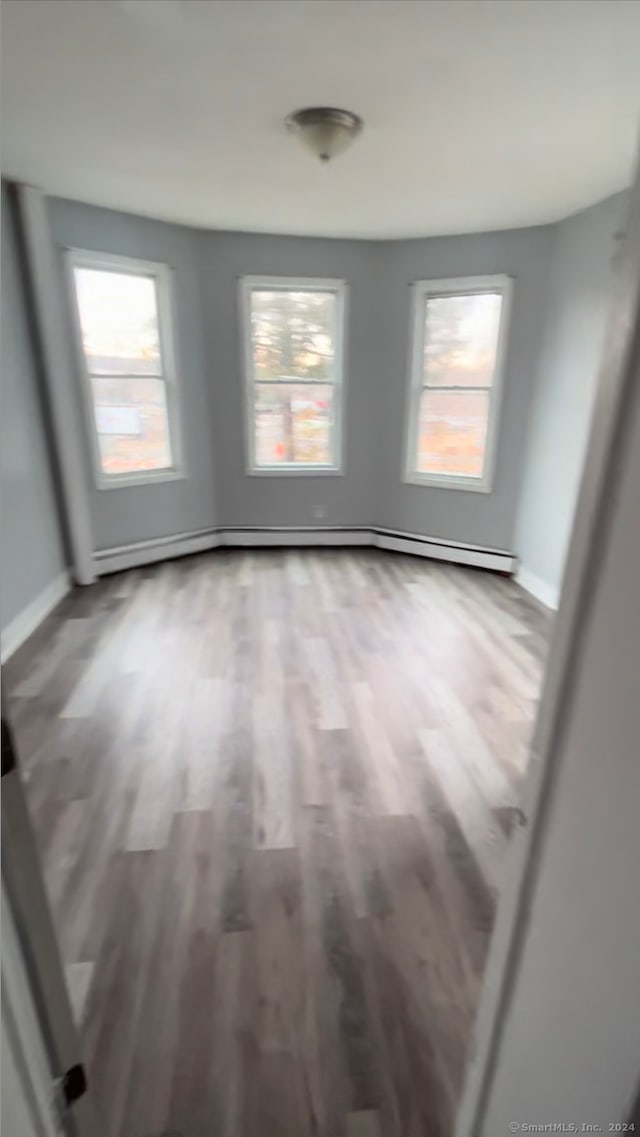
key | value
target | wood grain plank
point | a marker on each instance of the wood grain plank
(273, 792)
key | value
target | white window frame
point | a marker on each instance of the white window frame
(162, 277)
(423, 290)
(249, 284)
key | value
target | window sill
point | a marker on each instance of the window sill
(469, 485)
(294, 471)
(148, 478)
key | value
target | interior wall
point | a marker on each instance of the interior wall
(370, 489)
(32, 556)
(136, 513)
(570, 1048)
(555, 330)
(300, 499)
(459, 515)
(581, 260)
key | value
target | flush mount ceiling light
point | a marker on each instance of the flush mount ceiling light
(325, 131)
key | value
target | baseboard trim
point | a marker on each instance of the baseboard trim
(292, 536)
(148, 552)
(183, 544)
(547, 594)
(25, 623)
(261, 537)
(454, 552)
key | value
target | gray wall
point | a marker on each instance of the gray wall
(482, 519)
(570, 1051)
(31, 551)
(137, 513)
(581, 262)
(378, 326)
(245, 499)
(208, 267)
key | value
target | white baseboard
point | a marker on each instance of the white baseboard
(167, 548)
(547, 594)
(452, 551)
(160, 549)
(21, 627)
(260, 537)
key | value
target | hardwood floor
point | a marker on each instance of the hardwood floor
(272, 793)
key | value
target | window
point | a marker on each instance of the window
(459, 329)
(294, 333)
(124, 325)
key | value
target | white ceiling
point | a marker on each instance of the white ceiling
(479, 114)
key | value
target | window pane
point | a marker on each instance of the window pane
(452, 432)
(461, 339)
(293, 424)
(293, 334)
(132, 424)
(119, 322)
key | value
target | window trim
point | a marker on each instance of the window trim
(455, 286)
(163, 278)
(249, 284)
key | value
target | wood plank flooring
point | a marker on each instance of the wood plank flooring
(272, 792)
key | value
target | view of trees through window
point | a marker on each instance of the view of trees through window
(120, 336)
(460, 345)
(293, 346)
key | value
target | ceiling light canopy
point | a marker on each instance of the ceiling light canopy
(325, 131)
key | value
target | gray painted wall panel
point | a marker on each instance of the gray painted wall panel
(245, 499)
(32, 554)
(582, 253)
(371, 488)
(130, 514)
(208, 267)
(483, 519)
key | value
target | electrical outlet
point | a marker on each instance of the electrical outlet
(319, 512)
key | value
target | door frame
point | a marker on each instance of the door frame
(28, 904)
(598, 486)
(57, 361)
(23, 1034)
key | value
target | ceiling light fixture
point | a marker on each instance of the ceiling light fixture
(325, 131)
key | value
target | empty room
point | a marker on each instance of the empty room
(304, 307)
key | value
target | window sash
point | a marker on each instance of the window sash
(291, 380)
(165, 374)
(335, 329)
(462, 390)
(127, 375)
(334, 378)
(424, 291)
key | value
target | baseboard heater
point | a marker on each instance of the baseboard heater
(257, 537)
